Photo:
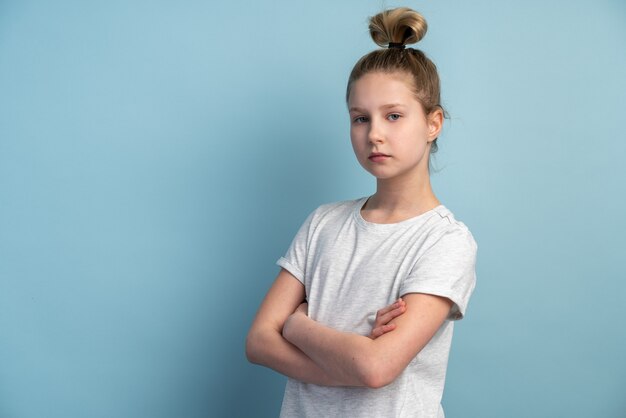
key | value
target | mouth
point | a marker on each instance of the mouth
(378, 157)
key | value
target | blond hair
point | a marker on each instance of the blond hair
(401, 26)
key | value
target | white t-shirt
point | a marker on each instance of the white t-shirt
(350, 269)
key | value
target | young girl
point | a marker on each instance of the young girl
(400, 250)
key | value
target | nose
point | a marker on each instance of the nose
(375, 134)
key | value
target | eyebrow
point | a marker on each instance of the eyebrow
(387, 106)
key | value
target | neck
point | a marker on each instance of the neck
(403, 195)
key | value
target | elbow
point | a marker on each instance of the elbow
(375, 373)
(376, 380)
(260, 342)
(253, 348)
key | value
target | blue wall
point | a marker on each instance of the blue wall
(156, 158)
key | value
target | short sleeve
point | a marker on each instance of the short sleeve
(448, 269)
(294, 261)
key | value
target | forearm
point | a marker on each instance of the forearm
(344, 356)
(359, 360)
(269, 348)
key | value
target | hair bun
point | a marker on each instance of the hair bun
(401, 26)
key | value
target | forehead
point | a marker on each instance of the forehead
(378, 89)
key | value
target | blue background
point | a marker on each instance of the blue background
(156, 158)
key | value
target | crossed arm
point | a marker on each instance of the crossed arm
(285, 339)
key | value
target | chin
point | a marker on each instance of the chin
(381, 176)
(380, 172)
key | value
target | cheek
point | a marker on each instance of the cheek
(359, 149)
(354, 139)
(420, 136)
(356, 148)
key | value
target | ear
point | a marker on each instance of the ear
(435, 123)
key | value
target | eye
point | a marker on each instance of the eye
(359, 119)
(393, 116)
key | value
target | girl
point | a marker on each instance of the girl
(318, 323)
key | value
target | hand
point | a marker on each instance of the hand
(384, 316)
(303, 309)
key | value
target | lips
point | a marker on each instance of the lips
(378, 157)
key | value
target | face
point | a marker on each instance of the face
(390, 133)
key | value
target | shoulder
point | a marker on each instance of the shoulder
(335, 210)
(329, 215)
(447, 231)
(340, 205)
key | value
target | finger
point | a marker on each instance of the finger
(378, 331)
(393, 311)
(391, 307)
(384, 319)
